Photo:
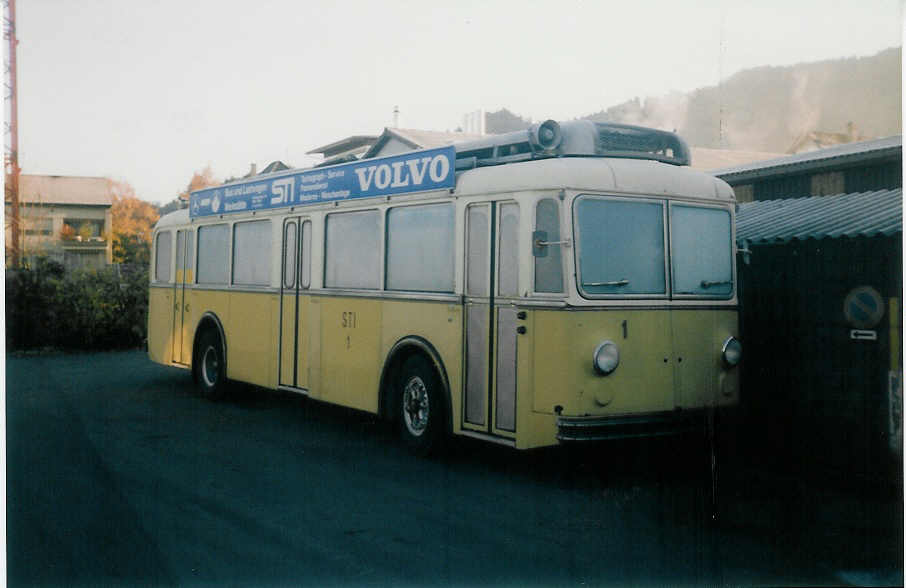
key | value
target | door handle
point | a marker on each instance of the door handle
(187, 307)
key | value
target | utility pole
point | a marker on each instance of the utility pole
(11, 157)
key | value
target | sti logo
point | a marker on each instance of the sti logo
(282, 191)
(400, 174)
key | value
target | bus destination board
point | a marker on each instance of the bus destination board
(415, 171)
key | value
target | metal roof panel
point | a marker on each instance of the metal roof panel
(848, 153)
(862, 214)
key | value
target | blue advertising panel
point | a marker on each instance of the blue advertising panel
(415, 171)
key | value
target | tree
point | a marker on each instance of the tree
(133, 220)
(200, 179)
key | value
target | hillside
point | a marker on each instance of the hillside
(769, 108)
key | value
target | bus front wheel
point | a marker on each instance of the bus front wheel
(210, 374)
(420, 408)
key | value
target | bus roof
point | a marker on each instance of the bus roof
(577, 154)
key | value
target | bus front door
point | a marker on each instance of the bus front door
(490, 395)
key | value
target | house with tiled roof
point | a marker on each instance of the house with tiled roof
(66, 218)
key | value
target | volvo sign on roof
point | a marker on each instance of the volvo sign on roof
(416, 171)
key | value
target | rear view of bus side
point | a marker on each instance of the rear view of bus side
(570, 282)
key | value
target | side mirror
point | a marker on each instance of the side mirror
(745, 251)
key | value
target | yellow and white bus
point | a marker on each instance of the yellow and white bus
(571, 282)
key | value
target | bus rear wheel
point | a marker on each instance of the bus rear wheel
(209, 366)
(420, 407)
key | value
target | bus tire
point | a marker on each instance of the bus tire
(420, 406)
(210, 373)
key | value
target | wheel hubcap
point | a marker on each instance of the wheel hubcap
(415, 406)
(210, 367)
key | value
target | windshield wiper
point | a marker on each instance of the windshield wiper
(615, 283)
(706, 284)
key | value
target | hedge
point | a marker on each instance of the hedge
(48, 307)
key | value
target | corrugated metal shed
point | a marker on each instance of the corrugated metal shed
(865, 214)
(839, 155)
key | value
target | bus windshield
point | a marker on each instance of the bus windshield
(621, 247)
(701, 252)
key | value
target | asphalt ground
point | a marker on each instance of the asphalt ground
(119, 475)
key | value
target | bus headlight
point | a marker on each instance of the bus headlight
(732, 351)
(606, 358)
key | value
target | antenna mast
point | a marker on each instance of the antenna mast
(11, 155)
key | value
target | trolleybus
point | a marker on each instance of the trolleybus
(570, 282)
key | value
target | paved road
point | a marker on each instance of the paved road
(119, 475)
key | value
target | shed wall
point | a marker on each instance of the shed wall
(812, 396)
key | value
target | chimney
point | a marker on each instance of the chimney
(253, 170)
(396, 117)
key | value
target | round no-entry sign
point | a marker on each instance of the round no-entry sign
(863, 307)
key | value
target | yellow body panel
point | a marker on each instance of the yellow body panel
(160, 324)
(251, 337)
(350, 341)
(304, 352)
(668, 358)
(438, 323)
(563, 344)
(288, 336)
(184, 324)
(698, 337)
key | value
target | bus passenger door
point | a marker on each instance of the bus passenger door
(491, 286)
(506, 289)
(479, 220)
(182, 344)
(295, 278)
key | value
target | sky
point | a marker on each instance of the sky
(149, 92)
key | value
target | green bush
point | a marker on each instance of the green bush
(79, 310)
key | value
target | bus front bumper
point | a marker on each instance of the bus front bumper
(570, 429)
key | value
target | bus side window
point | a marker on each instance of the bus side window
(508, 265)
(549, 269)
(353, 257)
(162, 251)
(190, 254)
(420, 248)
(251, 252)
(213, 254)
(477, 249)
(289, 255)
(306, 255)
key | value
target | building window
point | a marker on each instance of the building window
(39, 227)
(82, 229)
